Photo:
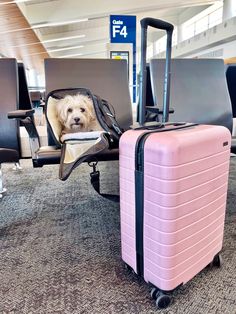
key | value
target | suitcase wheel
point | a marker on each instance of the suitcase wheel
(217, 261)
(154, 293)
(129, 268)
(162, 300)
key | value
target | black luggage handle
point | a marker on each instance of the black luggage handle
(156, 23)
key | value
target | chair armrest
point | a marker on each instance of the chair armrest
(26, 118)
(20, 114)
(151, 125)
(171, 110)
(154, 109)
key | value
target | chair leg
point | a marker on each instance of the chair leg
(17, 166)
(2, 189)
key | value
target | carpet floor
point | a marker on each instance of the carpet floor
(60, 250)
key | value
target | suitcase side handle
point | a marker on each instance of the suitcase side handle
(156, 23)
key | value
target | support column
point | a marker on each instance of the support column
(229, 9)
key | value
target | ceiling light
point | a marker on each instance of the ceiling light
(42, 25)
(15, 1)
(52, 24)
(67, 48)
(69, 56)
(54, 50)
(50, 41)
(62, 38)
(82, 54)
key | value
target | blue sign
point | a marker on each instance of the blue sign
(123, 30)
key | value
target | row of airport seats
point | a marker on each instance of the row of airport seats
(37, 98)
(198, 94)
(97, 75)
(198, 89)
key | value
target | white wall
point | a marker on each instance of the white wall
(227, 50)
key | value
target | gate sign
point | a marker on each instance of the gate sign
(123, 29)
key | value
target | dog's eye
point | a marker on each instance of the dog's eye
(69, 110)
(82, 109)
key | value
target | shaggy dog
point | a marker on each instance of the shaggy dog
(76, 114)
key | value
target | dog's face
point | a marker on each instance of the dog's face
(76, 113)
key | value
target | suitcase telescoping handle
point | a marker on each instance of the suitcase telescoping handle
(148, 21)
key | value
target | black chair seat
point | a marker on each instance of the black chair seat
(47, 155)
(8, 155)
(50, 155)
(109, 154)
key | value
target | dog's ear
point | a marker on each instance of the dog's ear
(52, 108)
(61, 108)
(91, 110)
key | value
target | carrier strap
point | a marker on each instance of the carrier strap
(109, 116)
(95, 181)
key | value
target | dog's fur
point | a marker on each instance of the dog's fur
(76, 114)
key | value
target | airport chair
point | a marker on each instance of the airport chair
(231, 81)
(24, 97)
(104, 77)
(35, 97)
(150, 116)
(198, 93)
(9, 100)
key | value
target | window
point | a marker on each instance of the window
(160, 44)
(150, 51)
(201, 25)
(175, 37)
(203, 21)
(188, 31)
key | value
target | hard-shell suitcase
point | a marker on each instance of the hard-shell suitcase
(173, 188)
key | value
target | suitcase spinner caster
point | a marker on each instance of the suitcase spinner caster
(162, 300)
(130, 269)
(217, 261)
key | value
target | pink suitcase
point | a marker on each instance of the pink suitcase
(173, 188)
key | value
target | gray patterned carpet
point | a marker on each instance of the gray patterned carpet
(60, 251)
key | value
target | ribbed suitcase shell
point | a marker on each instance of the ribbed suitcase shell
(185, 189)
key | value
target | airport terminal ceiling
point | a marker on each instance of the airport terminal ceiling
(76, 28)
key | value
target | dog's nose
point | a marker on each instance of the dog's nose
(77, 120)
